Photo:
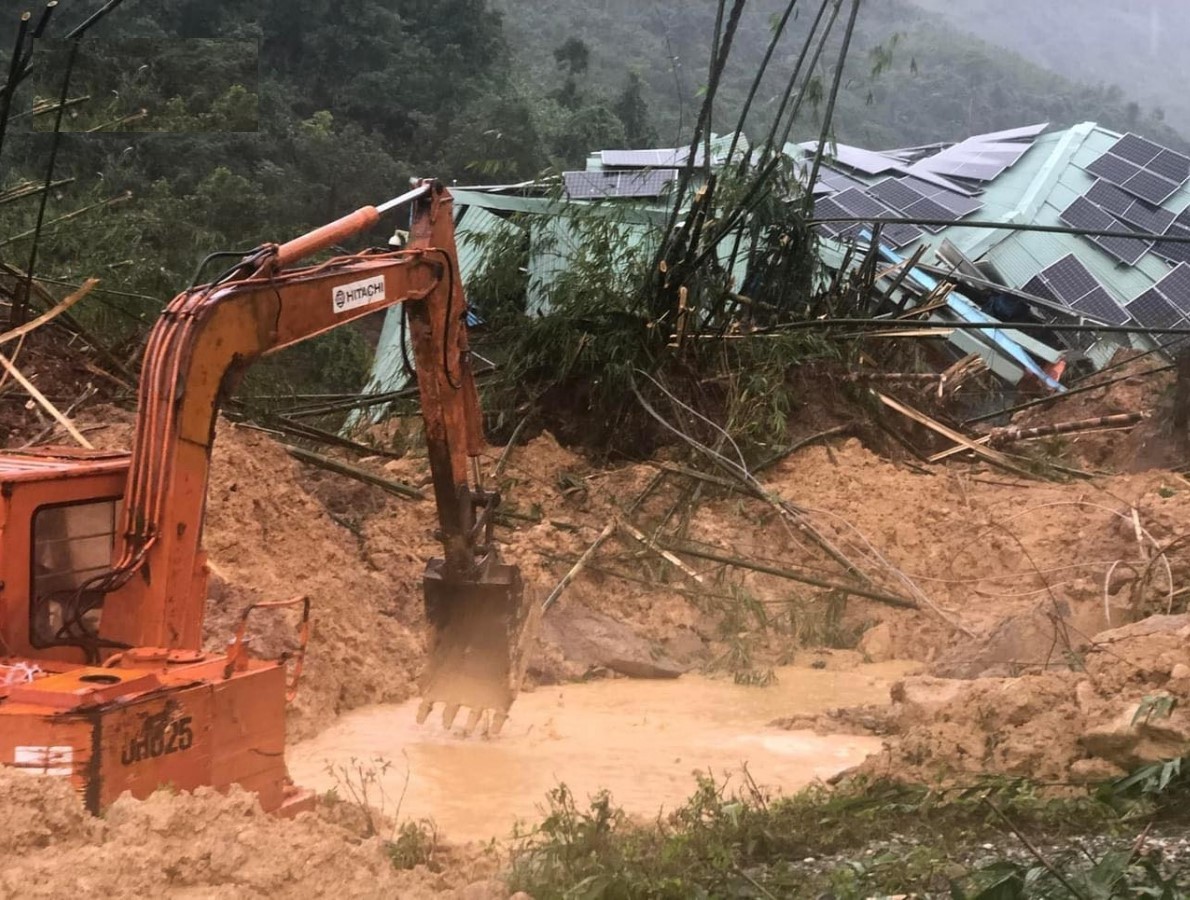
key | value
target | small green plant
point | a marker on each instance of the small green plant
(361, 784)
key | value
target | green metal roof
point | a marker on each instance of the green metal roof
(1047, 179)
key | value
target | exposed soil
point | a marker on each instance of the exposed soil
(202, 846)
(1048, 613)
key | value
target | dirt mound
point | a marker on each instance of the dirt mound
(1131, 384)
(1119, 704)
(201, 845)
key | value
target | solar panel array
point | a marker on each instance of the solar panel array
(855, 203)
(920, 200)
(1142, 168)
(1126, 208)
(1167, 303)
(869, 162)
(1173, 251)
(1085, 215)
(1070, 283)
(983, 157)
(673, 158)
(630, 183)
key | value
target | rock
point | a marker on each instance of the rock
(1179, 680)
(1084, 695)
(918, 699)
(1129, 744)
(1144, 628)
(877, 644)
(1094, 771)
(491, 889)
(592, 639)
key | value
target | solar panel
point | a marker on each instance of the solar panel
(1012, 134)
(856, 204)
(1146, 218)
(895, 193)
(673, 158)
(978, 158)
(1113, 168)
(928, 209)
(1173, 166)
(1142, 216)
(1150, 186)
(1152, 311)
(1085, 215)
(899, 235)
(1136, 149)
(1069, 280)
(1038, 288)
(1110, 198)
(1171, 251)
(835, 181)
(1175, 288)
(867, 161)
(827, 208)
(860, 205)
(958, 204)
(632, 183)
(1099, 305)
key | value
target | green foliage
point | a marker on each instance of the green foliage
(858, 841)
(360, 783)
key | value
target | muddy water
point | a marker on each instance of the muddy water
(642, 740)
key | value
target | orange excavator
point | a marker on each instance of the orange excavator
(103, 675)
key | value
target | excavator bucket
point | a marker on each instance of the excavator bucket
(476, 652)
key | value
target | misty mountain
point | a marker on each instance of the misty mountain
(933, 82)
(1139, 45)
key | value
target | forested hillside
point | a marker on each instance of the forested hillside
(1139, 45)
(937, 84)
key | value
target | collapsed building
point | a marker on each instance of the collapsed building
(1011, 227)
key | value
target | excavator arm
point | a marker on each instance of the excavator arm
(155, 591)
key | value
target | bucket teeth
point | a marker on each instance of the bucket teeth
(423, 711)
(472, 721)
(476, 648)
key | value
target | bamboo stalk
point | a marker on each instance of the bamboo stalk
(578, 566)
(44, 402)
(992, 456)
(650, 544)
(711, 556)
(333, 465)
(1008, 435)
(58, 308)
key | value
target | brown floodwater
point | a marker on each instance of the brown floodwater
(642, 740)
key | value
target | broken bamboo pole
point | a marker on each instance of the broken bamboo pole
(999, 436)
(333, 465)
(44, 402)
(549, 601)
(992, 456)
(825, 584)
(650, 544)
(53, 312)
